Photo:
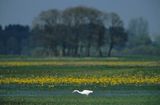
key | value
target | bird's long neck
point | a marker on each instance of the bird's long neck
(78, 91)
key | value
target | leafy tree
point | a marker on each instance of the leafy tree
(138, 32)
(156, 40)
(76, 17)
(12, 47)
(44, 30)
(12, 38)
(2, 41)
(76, 31)
(118, 37)
(117, 34)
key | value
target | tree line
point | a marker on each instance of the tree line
(14, 39)
(77, 31)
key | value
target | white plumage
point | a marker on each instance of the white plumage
(85, 92)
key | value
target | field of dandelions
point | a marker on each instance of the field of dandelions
(140, 74)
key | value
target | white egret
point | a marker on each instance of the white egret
(85, 92)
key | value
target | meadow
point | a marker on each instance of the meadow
(132, 80)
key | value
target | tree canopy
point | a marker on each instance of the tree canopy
(77, 31)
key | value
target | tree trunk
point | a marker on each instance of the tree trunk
(81, 50)
(88, 50)
(55, 51)
(64, 50)
(76, 50)
(100, 52)
(110, 49)
(68, 52)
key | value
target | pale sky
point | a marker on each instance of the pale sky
(24, 11)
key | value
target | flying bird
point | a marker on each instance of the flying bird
(85, 92)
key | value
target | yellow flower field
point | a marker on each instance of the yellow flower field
(79, 72)
(116, 80)
(80, 63)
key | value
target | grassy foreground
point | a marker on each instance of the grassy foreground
(81, 100)
(23, 74)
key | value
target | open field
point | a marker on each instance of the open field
(115, 80)
(80, 100)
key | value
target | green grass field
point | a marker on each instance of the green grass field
(15, 93)
(81, 100)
